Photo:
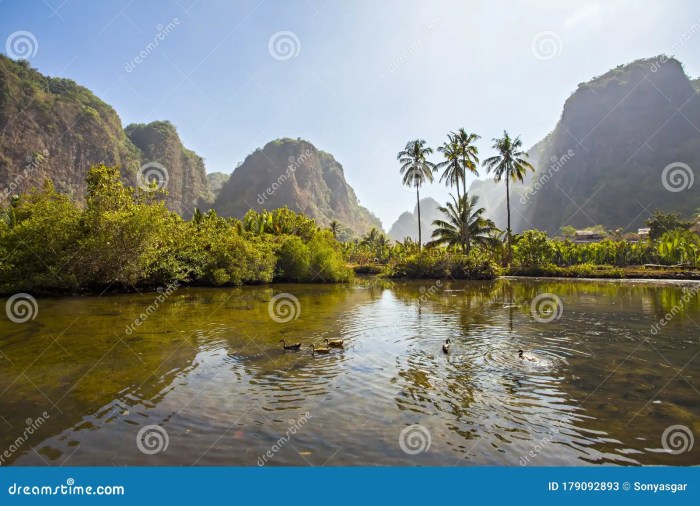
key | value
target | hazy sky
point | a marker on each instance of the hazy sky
(361, 78)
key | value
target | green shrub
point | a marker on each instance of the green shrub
(439, 263)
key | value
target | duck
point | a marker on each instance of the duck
(292, 347)
(446, 346)
(528, 358)
(324, 351)
(336, 343)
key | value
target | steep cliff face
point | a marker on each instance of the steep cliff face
(293, 173)
(53, 128)
(604, 161)
(187, 183)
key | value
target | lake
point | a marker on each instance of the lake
(199, 377)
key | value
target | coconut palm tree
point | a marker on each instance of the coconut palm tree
(510, 164)
(468, 154)
(334, 228)
(416, 169)
(452, 168)
(464, 225)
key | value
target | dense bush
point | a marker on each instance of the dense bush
(440, 263)
(125, 238)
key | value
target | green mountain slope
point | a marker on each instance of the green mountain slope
(295, 174)
(54, 128)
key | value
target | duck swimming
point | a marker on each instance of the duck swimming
(292, 347)
(527, 358)
(324, 351)
(446, 346)
(337, 343)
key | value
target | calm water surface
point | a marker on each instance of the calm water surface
(207, 368)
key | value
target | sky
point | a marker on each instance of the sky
(358, 79)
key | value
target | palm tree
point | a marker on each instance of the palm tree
(416, 169)
(510, 164)
(468, 154)
(464, 225)
(452, 173)
(334, 228)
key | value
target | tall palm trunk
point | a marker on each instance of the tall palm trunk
(508, 254)
(464, 177)
(420, 240)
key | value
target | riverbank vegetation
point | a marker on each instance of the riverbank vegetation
(125, 238)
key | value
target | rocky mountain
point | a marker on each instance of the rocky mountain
(407, 224)
(54, 128)
(216, 181)
(295, 174)
(605, 161)
(696, 84)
